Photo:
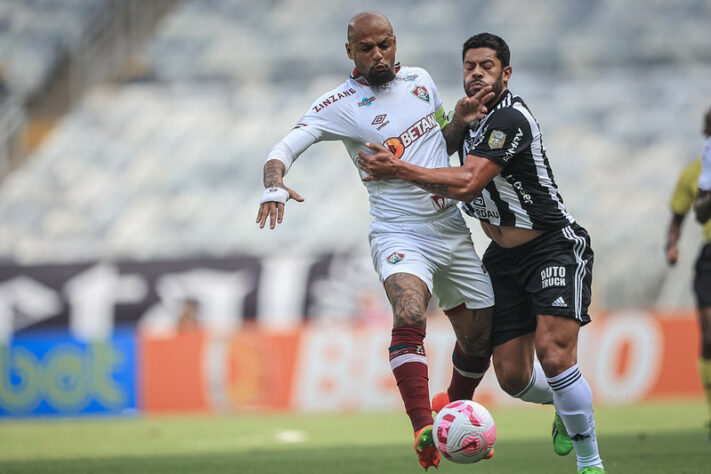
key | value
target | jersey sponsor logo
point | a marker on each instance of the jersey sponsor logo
(397, 145)
(479, 208)
(518, 186)
(497, 139)
(484, 213)
(366, 101)
(395, 258)
(333, 99)
(439, 202)
(421, 93)
(514, 144)
(552, 276)
(410, 77)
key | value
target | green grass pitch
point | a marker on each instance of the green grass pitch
(650, 438)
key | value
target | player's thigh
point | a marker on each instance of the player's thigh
(513, 363)
(472, 327)
(702, 277)
(409, 297)
(460, 278)
(556, 343)
(513, 316)
(560, 274)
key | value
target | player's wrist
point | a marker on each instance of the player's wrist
(275, 194)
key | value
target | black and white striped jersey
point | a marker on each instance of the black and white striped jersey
(524, 193)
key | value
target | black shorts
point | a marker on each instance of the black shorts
(551, 274)
(702, 279)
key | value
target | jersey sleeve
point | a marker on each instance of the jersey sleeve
(328, 118)
(705, 177)
(685, 191)
(507, 133)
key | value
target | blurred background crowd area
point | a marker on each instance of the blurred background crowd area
(137, 130)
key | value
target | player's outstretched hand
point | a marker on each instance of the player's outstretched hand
(471, 109)
(380, 165)
(272, 206)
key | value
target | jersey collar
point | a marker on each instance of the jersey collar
(360, 79)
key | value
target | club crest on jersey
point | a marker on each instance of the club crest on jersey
(421, 93)
(395, 258)
(497, 139)
(439, 202)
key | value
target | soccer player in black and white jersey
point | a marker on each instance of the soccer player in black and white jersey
(539, 260)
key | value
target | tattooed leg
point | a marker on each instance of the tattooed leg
(409, 297)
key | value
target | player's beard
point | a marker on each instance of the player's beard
(378, 78)
(497, 88)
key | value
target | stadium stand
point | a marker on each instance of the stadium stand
(171, 165)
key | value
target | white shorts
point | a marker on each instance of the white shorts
(439, 252)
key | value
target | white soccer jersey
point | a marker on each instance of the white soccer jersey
(705, 178)
(404, 115)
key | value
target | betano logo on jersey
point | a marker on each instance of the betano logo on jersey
(397, 145)
(334, 98)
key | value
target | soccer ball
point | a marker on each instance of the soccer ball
(464, 431)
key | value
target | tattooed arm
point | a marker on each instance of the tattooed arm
(463, 183)
(278, 162)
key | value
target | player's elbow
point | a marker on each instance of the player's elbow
(471, 189)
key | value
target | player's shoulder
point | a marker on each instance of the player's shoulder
(336, 98)
(414, 73)
(509, 112)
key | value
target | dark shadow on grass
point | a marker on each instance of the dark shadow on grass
(680, 453)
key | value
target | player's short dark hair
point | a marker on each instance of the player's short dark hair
(487, 40)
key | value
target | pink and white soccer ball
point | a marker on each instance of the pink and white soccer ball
(464, 431)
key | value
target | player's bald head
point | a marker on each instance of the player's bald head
(365, 22)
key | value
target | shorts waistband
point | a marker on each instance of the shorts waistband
(449, 212)
(526, 246)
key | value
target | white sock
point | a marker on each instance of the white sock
(572, 398)
(537, 390)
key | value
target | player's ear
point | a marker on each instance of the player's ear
(506, 74)
(348, 51)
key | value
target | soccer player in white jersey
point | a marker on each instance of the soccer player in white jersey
(539, 260)
(420, 244)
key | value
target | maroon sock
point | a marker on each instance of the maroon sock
(409, 365)
(466, 374)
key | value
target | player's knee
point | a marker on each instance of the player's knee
(475, 345)
(555, 361)
(512, 379)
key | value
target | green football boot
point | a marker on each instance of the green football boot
(562, 444)
(591, 470)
